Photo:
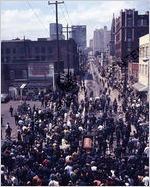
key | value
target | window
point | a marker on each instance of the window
(29, 51)
(43, 49)
(7, 51)
(24, 74)
(139, 22)
(14, 51)
(129, 44)
(50, 50)
(37, 58)
(145, 22)
(12, 74)
(2, 51)
(50, 57)
(129, 22)
(7, 59)
(37, 50)
(22, 50)
(43, 58)
(129, 33)
(2, 59)
(142, 69)
(129, 49)
(146, 51)
(146, 69)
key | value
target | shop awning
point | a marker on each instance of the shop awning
(140, 87)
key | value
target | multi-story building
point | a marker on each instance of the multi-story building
(143, 75)
(53, 32)
(91, 44)
(129, 27)
(79, 35)
(112, 40)
(107, 37)
(26, 61)
(98, 40)
(101, 40)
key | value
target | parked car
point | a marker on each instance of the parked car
(5, 98)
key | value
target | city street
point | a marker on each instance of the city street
(75, 93)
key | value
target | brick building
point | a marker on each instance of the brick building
(31, 62)
(129, 27)
(133, 70)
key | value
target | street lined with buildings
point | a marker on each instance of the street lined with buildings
(73, 114)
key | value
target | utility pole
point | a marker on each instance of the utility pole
(58, 50)
(68, 64)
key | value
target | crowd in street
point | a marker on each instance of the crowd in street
(50, 148)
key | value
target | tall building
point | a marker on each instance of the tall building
(129, 27)
(91, 44)
(101, 39)
(112, 40)
(107, 37)
(79, 35)
(53, 32)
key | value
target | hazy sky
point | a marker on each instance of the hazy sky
(32, 18)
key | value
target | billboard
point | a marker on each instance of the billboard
(40, 70)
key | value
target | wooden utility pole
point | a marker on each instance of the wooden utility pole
(68, 64)
(58, 49)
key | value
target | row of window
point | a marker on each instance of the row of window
(42, 58)
(20, 74)
(140, 22)
(143, 69)
(27, 50)
(144, 51)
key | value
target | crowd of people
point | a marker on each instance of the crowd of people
(50, 151)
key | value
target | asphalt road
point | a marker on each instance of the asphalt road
(7, 117)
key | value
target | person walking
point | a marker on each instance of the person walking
(11, 110)
(8, 131)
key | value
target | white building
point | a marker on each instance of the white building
(143, 76)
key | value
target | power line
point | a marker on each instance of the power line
(64, 15)
(36, 15)
(67, 13)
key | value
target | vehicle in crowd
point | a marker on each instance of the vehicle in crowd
(5, 98)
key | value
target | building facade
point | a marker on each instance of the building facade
(112, 40)
(107, 37)
(133, 70)
(26, 61)
(144, 60)
(101, 40)
(98, 40)
(129, 27)
(53, 32)
(79, 35)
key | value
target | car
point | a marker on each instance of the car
(5, 98)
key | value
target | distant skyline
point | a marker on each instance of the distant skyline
(32, 18)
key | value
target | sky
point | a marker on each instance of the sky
(32, 18)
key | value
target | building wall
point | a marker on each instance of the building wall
(79, 35)
(107, 38)
(133, 70)
(17, 55)
(129, 26)
(144, 55)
